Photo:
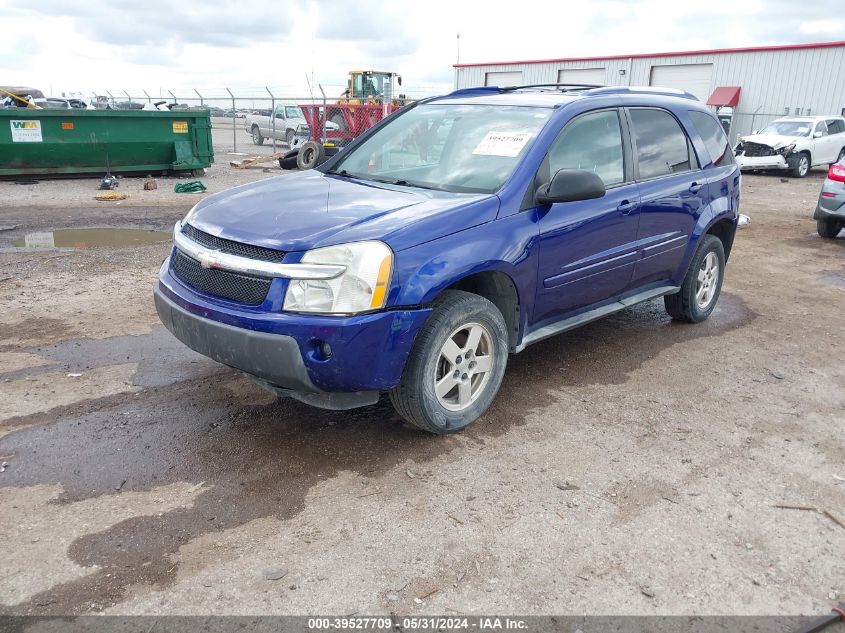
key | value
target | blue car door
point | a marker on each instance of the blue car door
(673, 193)
(587, 248)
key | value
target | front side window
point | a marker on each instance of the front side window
(821, 128)
(713, 135)
(592, 142)
(461, 148)
(662, 146)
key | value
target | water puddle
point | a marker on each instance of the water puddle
(834, 279)
(90, 238)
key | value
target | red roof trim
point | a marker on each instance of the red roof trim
(716, 51)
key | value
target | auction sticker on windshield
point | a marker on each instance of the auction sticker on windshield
(502, 144)
(25, 131)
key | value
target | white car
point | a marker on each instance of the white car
(795, 144)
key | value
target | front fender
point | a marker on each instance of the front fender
(507, 245)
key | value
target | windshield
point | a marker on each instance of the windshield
(789, 128)
(293, 112)
(470, 148)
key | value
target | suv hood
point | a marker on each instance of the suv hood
(309, 209)
(775, 141)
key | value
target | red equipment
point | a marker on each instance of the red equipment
(352, 119)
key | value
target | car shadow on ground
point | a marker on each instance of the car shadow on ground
(256, 457)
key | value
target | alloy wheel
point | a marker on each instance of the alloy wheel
(464, 367)
(708, 281)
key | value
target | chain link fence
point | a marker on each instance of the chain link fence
(264, 121)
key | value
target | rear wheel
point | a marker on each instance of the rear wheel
(456, 365)
(799, 165)
(828, 228)
(256, 136)
(702, 284)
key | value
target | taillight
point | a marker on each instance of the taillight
(836, 172)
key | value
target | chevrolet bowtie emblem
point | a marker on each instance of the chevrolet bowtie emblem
(208, 260)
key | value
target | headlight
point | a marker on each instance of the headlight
(786, 150)
(190, 213)
(362, 287)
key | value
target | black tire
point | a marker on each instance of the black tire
(289, 137)
(841, 155)
(683, 306)
(288, 161)
(310, 155)
(828, 228)
(799, 164)
(414, 397)
(256, 136)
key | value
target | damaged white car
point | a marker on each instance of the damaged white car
(795, 144)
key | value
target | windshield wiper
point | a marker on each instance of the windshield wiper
(405, 183)
(342, 172)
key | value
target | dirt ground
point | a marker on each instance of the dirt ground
(632, 466)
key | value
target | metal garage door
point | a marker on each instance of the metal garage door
(597, 76)
(694, 78)
(502, 79)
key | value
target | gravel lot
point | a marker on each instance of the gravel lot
(633, 466)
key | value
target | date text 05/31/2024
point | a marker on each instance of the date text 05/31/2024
(425, 623)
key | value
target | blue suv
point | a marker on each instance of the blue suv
(452, 234)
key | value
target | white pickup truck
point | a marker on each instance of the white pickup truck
(287, 118)
(261, 125)
(794, 143)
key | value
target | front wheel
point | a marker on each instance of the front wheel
(799, 165)
(828, 228)
(702, 284)
(456, 365)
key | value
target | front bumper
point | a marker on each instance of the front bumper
(284, 349)
(761, 162)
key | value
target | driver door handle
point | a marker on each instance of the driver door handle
(626, 206)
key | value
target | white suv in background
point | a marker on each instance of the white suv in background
(794, 143)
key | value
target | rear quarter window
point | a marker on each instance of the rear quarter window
(713, 135)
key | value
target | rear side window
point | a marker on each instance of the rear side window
(592, 142)
(836, 126)
(662, 146)
(713, 135)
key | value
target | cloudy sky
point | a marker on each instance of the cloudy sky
(160, 45)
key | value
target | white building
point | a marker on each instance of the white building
(761, 83)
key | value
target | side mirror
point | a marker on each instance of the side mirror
(569, 185)
(818, 134)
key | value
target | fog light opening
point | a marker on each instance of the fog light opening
(322, 350)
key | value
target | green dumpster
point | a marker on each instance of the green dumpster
(36, 142)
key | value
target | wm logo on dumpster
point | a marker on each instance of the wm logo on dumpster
(26, 131)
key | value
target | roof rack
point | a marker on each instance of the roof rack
(654, 90)
(561, 87)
